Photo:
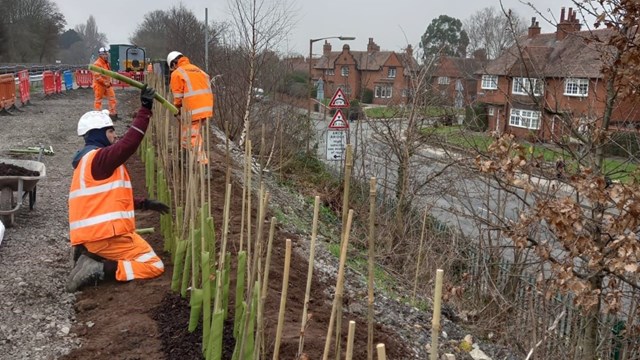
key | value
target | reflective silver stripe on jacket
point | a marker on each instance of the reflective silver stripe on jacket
(190, 92)
(84, 190)
(95, 220)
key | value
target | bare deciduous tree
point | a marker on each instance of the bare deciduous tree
(492, 30)
(92, 39)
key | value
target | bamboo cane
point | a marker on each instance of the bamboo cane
(435, 323)
(144, 231)
(283, 300)
(265, 285)
(371, 263)
(350, 337)
(312, 252)
(337, 300)
(133, 83)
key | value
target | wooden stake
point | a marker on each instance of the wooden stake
(382, 355)
(337, 300)
(350, 337)
(371, 264)
(435, 322)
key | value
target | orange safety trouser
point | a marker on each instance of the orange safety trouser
(136, 259)
(100, 92)
(195, 129)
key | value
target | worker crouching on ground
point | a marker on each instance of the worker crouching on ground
(101, 204)
(191, 90)
(102, 85)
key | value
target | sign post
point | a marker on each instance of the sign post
(337, 136)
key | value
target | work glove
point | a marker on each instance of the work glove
(146, 96)
(155, 205)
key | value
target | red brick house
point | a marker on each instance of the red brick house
(548, 85)
(386, 73)
(454, 80)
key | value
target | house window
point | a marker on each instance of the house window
(346, 89)
(527, 119)
(329, 72)
(491, 110)
(391, 73)
(443, 80)
(383, 91)
(344, 71)
(527, 86)
(490, 82)
(576, 87)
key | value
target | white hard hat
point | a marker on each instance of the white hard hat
(103, 50)
(94, 120)
(172, 56)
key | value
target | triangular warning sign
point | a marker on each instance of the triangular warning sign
(338, 122)
(339, 100)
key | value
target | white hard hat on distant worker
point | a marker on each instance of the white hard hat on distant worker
(103, 50)
(172, 57)
(96, 119)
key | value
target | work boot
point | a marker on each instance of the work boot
(84, 273)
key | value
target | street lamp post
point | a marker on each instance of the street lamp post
(309, 80)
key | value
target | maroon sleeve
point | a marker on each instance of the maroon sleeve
(109, 158)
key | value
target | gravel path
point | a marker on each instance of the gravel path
(37, 313)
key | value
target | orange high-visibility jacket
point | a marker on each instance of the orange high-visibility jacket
(99, 79)
(191, 88)
(99, 209)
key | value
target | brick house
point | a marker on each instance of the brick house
(454, 80)
(386, 74)
(548, 85)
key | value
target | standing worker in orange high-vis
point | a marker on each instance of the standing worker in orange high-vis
(102, 85)
(102, 226)
(192, 92)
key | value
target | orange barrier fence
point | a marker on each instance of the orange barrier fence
(135, 75)
(48, 83)
(25, 87)
(58, 81)
(7, 93)
(84, 78)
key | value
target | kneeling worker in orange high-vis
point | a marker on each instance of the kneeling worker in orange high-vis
(101, 204)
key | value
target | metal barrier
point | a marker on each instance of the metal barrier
(7, 94)
(68, 80)
(24, 84)
(48, 83)
(84, 78)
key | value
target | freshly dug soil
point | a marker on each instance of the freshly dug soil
(13, 170)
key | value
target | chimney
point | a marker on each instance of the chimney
(409, 50)
(326, 48)
(534, 29)
(567, 25)
(372, 46)
(480, 54)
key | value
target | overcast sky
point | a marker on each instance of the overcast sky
(392, 24)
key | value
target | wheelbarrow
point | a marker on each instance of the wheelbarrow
(22, 186)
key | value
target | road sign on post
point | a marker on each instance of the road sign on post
(337, 136)
(339, 100)
(336, 144)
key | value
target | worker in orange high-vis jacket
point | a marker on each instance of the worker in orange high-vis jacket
(102, 85)
(102, 226)
(192, 95)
